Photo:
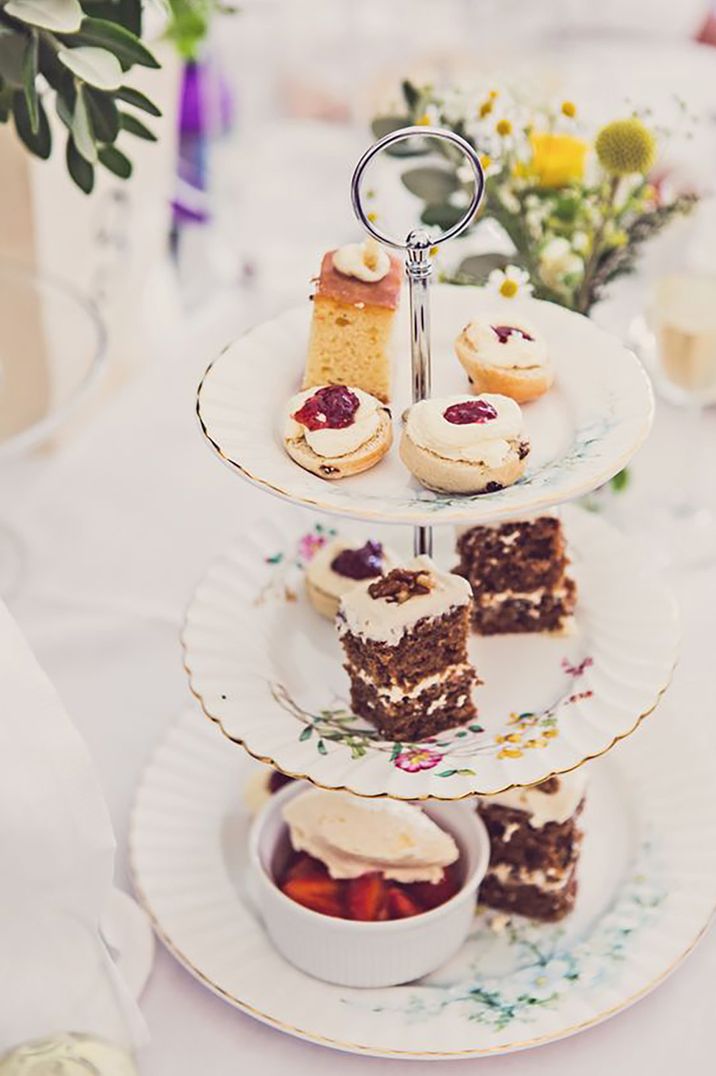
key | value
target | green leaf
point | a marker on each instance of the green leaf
(411, 95)
(65, 107)
(322, 749)
(81, 129)
(397, 748)
(442, 216)
(12, 57)
(5, 103)
(431, 184)
(134, 97)
(479, 266)
(98, 67)
(81, 170)
(135, 127)
(121, 42)
(38, 142)
(114, 160)
(447, 773)
(466, 773)
(621, 480)
(29, 81)
(306, 734)
(62, 16)
(103, 114)
(412, 147)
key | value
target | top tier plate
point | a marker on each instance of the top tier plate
(582, 432)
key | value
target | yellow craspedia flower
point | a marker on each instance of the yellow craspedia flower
(569, 109)
(503, 127)
(625, 146)
(557, 159)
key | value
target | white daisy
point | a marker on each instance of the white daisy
(509, 282)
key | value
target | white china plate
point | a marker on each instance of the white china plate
(582, 432)
(647, 890)
(268, 669)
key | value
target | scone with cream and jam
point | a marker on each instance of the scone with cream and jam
(465, 444)
(507, 355)
(336, 430)
(339, 566)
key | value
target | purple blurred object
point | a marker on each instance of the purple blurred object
(206, 112)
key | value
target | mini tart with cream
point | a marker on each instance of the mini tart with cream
(341, 565)
(336, 430)
(507, 355)
(465, 444)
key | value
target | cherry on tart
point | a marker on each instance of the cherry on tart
(336, 430)
(504, 356)
(370, 898)
(464, 444)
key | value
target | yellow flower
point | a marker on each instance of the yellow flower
(503, 127)
(557, 159)
(510, 752)
(485, 109)
(536, 743)
(485, 161)
(433, 251)
(372, 217)
(509, 288)
(625, 147)
(549, 734)
(514, 737)
(424, 120)
(493, 94)
(569, 109)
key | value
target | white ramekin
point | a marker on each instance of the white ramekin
(366, 954)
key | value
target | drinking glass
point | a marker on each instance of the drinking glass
(52, 346)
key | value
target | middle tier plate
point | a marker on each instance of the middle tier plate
(268, 669)
(584, 430)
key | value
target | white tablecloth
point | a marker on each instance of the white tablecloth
(119, 527)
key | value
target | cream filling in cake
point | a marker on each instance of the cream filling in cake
(490, 442)
(542, 807)
(330, 442)
(386, 622)
(489, 600)
(354, 836)
(516, 352)
(547, 881)
(365, 261)
(395, 693)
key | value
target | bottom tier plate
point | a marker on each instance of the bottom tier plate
(647, 890)
(269, 670)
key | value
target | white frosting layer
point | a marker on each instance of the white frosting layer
(365, 261)
(322, 575)
(488, 442)
(330, 443)
(395, 693)
(387, 622)
(354, 836)
(549, 882)
(516, 352)
(544, 807)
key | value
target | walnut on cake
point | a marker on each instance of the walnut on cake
(518, 574)
(535, 844)
(357, 294)
(404, 636)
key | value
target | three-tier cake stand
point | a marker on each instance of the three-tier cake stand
(267, 670)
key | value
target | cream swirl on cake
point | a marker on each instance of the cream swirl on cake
(504, 353)
(353, 836)
(463, 444)
(365, 261)
(543, 805)
(336, 430)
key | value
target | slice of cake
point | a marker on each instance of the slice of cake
(517, 572)
(354, 308)
(534, 847)
(405, 641)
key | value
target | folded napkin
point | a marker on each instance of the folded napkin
(56, 863)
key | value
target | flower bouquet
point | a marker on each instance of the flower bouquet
(576, 206)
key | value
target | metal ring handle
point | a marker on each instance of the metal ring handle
(418, 238)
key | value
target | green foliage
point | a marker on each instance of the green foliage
(78, 47)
